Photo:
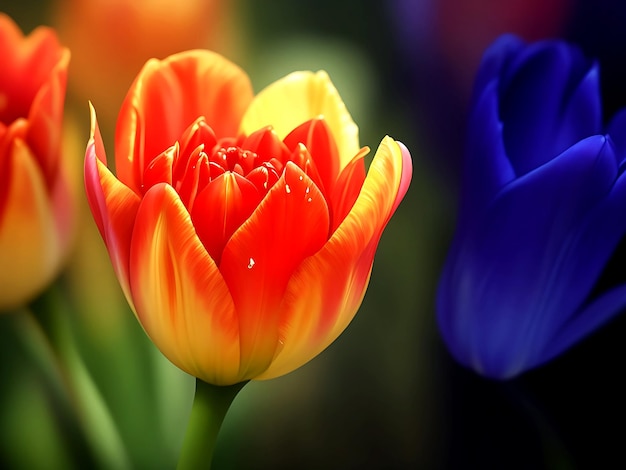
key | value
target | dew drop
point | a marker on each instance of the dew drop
(307, 190)
(251, 263)
(300, 177)
(287, 188)
(309, 200)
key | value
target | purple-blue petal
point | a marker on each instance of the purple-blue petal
(513, 278)
(487, 166)
(549, 99)
(495, 60)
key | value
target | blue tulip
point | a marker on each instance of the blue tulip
(543, 210)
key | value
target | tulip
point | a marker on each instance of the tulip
(542, 212)
(242, 228)
(111, 40)
(36, 205)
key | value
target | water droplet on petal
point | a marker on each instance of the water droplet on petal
(309, 200)
(300, 177)
(287, 188)
(251, 263)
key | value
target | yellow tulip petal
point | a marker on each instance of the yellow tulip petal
(30, 252)
(291, 223)
(167, 97)
(326, 291)
(297, 98)
(180, 296)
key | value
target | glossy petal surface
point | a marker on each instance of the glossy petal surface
(169, 95)
(242, 230)
(538, 224)
(325, 292)
(295, 99)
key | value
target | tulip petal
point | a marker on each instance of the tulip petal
(487, 167)
(45, 119)
(28, 236)
(297, 98)
(495, 60)
(290, 224)
(532, 231)
(347, 188)
(316, 136)
(27, 65)
(113, 205)
(167, 97)
(180, 296)
(16, 131)
(326, 290)
(221, 208)
(590, 253)
(550, 100)
(597, 314)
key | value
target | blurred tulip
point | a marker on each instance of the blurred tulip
(541, 215)
(112, 39)
(244, 249)
(36, 205)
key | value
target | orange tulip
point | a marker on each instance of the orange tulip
(242, 228)
(111, 40)
(36, 208)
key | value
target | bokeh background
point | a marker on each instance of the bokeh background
(385, 394)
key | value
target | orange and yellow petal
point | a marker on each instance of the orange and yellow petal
(325, 292)
(290, 224)
(167, 97)
(113, 205)
(297, 98)
(180, 296)
(30, 248)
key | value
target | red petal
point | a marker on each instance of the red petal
(347, 188)
(169, 95)
(267, 145)
(318, 139)
(160, 169)
(221, 208)
(289, 225)
(45, 120)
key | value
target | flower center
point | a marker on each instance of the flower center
(222, 181)
(199, 158)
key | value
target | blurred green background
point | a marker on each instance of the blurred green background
(385, 394)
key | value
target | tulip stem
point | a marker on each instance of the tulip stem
(210, 404)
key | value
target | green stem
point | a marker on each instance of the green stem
(210, 404)
(35, 332)
(88, 425)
